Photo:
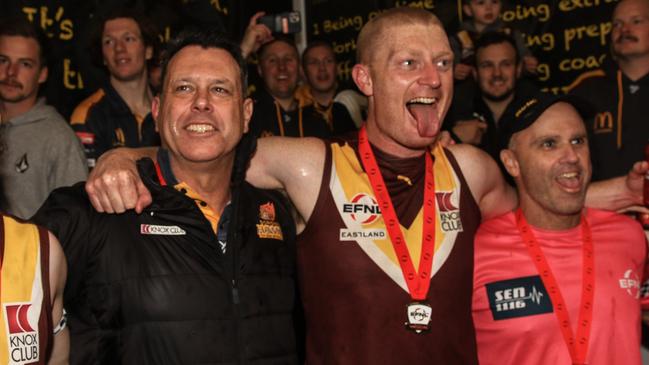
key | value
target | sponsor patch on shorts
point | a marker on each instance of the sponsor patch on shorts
(518, 297)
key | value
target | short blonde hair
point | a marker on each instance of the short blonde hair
(372, 32)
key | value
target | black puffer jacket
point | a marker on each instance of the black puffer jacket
(155, 288)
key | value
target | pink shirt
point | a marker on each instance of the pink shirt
(513, 315)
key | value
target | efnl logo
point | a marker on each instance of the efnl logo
(362, 209)
(22, 338)
(519, 297)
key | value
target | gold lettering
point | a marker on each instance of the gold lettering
(543, 71)
(545, 40)
(217, 5)
(521, 12)
(599, 31)
(30, 13)
(69, 76)
(345, 70)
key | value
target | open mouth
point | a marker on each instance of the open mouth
(570, 181)
(423, 110)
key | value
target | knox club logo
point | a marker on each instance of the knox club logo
(449, 213)
(151, 229)
(22, 336)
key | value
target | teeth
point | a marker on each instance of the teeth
(569, 175)
(200, 128)
(422, 100)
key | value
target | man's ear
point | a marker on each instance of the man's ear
(155, 111)
(362, 78)
(248, 106)
(509, 160)
(42, 76)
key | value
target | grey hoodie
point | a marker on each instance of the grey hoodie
(42, 153)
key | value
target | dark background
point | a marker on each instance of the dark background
(568, 37)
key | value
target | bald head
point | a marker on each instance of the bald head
(376, 29)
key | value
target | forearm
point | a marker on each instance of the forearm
(611, 194)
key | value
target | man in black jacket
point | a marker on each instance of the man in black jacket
(206, 273)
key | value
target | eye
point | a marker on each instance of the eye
(107, 41)
(548, 143)
(27, 64)
(183, 88)
(3, 60)
(578, 140)
(444, 64)
(220, 90)
(408, 63)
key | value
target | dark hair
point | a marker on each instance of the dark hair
(148, 31)
(19, 26)
(278, 38)
(495, 37)
(205, 38)
(314, 44)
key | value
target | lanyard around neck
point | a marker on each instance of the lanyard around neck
(577, 345)
(418, 281)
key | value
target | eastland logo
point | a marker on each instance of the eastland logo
(161, 230)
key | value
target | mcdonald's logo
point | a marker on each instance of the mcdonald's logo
(603, 123)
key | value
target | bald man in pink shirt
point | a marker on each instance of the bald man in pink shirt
(554, 282)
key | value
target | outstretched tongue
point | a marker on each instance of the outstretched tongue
(426, 117)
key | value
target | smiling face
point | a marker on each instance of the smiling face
(21, 71)
(123, 49)
(550, 163)
(278, 66)
(201, 113)
(497, 71)
(630, 34)
(408, 77)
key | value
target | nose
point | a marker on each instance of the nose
(570, 153)
(12, 69)
(202, 101)
(119, 45)
(431, 76)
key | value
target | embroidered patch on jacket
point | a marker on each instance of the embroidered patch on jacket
(161, 230)
(520, 297)
(268, 227)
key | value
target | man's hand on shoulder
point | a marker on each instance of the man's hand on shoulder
(114, 185)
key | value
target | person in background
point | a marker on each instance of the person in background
(41, 151)
(477, 113)
(619, 130)
(319, 67)
(119, 113)
(555, 282)
(484, 16)
(277, 111)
